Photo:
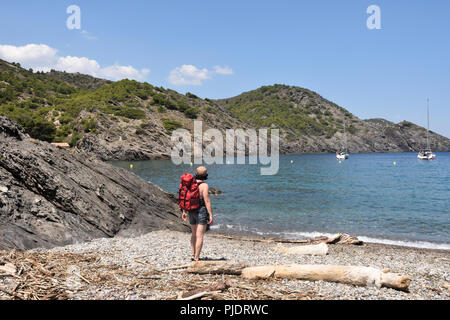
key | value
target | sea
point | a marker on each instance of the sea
(380, 198)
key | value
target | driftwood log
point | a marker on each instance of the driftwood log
(200, 292)
(355, 275)
(216, 267)
(363, 276)
(8, 268)
(338, 239)
(320, 249)
(342, 239)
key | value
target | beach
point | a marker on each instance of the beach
(139, 268)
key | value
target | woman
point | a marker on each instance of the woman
(201, 218)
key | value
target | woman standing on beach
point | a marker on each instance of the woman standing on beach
(200, 218)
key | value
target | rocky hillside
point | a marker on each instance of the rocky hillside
(129, 120)
(309, 123)
(52, 197)
(78, 80)
(114, 120)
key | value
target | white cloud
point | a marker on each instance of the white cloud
(188, 74)
(122, 72)
(223, 70)
(76, 64)
(41, 57)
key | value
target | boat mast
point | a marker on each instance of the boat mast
(428, 123)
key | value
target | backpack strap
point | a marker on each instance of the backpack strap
(185, 194)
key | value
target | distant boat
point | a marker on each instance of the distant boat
(427, 154)
(343, 154)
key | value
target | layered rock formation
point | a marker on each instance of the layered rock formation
(51, 197)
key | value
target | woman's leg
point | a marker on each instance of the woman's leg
(193, 238)
(199, 240)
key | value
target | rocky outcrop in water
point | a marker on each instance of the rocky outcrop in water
(51, 197)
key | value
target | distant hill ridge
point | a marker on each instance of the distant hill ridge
(129, 120)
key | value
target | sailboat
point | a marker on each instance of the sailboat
(427, 154)
(343, 154)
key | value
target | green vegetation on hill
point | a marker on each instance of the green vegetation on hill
(78, 80)
(48, 105)
(171, 125)
(291, 108)
(59, 106)
(64, 107)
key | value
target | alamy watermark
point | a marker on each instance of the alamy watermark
(234, 147)
(374, 20)
(74, 20)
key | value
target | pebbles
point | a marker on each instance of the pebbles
(429, 270)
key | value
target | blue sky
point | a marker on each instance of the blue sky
(220, 49)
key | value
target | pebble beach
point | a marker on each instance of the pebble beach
(140, 268)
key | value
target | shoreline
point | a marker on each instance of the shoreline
(140, 268)
(419, 244)
(166, 157)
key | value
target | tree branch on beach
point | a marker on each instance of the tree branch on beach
(355, 275)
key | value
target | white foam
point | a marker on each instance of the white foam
(313, 234)
(414, 244)
(403, 243)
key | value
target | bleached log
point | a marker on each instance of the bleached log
(320, 249)
(8, 268)
(218, 287)
(216, 267)
(199, 295)
(356, 275)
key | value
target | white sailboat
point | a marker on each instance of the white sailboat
(343, 154)
(427, 154)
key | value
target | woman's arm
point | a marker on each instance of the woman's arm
(184, 215)
(207, 202)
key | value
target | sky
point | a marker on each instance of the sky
(219, 49)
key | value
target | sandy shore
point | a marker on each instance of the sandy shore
(133, 268)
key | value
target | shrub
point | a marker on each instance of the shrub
(160, 100)
(182, 105)
(130, 113)
(88, 125)
(40, 129)
(144, 125)
(191, 113)
(65, 119)
(209, 109)
(191, 95)
(171, 125)
(140, 131)
(75, 138)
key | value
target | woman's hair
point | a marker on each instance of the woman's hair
(201, 173)
(202, 177)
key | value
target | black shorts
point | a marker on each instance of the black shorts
(199, 216)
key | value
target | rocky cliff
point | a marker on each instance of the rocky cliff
(51, 197)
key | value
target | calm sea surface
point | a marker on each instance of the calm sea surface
(367, 195)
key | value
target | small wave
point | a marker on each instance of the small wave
(414, 244)
(313, 234)
(403, 243)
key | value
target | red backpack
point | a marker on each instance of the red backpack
(188, 193)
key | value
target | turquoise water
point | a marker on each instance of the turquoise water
(367, 196)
